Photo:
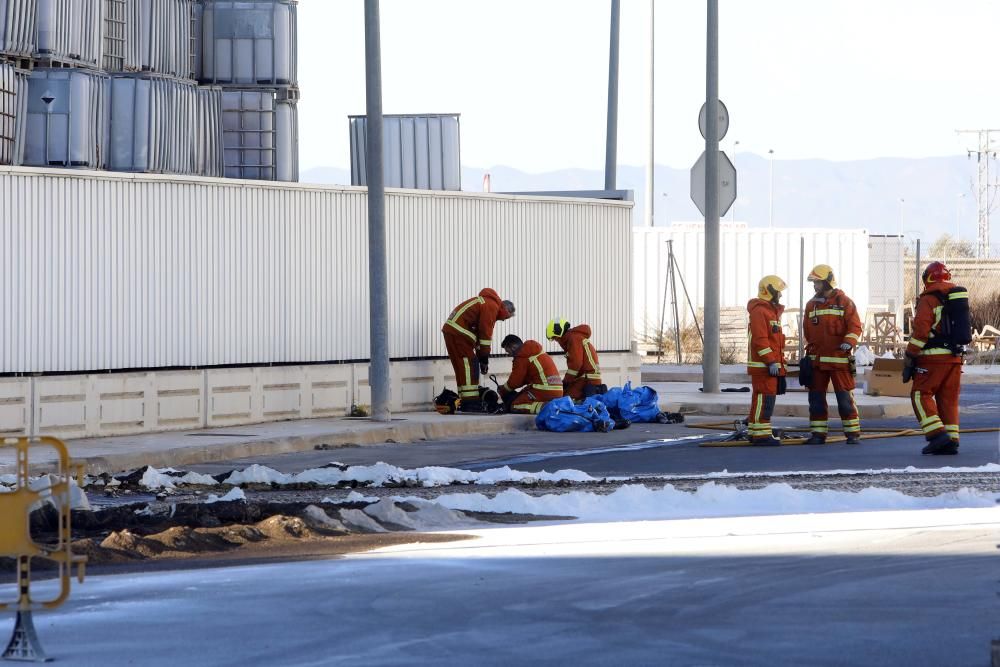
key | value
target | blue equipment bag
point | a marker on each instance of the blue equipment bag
(562, 415)
(640, 405)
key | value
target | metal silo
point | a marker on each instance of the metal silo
(419, 151)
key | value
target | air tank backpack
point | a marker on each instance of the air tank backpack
(956, 323)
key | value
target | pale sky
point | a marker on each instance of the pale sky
(840, 80)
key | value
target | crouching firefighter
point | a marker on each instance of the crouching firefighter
(583, 372)
(766, 364)
(533, 372)
(832, 329)
(941, 329)
(468, 336)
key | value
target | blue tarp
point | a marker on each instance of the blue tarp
(639, 406)
(563, 416)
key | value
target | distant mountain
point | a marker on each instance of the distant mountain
(807, 193)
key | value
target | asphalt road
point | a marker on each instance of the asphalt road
(656, 449)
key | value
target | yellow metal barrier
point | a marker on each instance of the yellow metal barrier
(16, 540)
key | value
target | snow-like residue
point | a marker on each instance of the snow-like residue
(635, 502)
(382, 474)
(159, 479)
(235, 493)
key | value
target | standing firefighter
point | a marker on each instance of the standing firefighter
(766, 364)
(583, 372)
(532, 369)
(468, 335)
(832, 330)
(941, 330)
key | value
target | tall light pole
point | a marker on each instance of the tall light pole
(650, 195)
(770, 199)
(611, 147)
(378, 285)
(901, 202)
(711, 352)
(665, 197)
(732, 217)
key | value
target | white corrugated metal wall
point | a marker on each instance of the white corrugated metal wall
(108, 271)
(747, 255)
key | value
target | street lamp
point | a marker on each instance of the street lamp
(770, 199)
(665, 196)
(735, 144)
(901, 202)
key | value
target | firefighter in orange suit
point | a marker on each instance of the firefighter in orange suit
(468, 336)
(532, 369)
(583, 370)
(832, 329)
(934, 362)
(766, 360)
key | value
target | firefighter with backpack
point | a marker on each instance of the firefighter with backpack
(941, 329)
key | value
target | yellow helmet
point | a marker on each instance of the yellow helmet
(769, 286)
(556, 328)
(824, 273)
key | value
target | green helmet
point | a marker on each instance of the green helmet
(556, 328)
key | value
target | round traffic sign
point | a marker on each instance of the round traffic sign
(723, 120)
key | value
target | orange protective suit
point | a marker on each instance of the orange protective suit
(534, 370)
(468, 336)
(937, 382)
(767, 345)
(828, 323)
(582, 365)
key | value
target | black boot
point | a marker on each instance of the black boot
(816, 439)
(853, 438)
(940, 444)
(470, 405)
(765, 442)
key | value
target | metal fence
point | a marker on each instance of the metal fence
(100, 270)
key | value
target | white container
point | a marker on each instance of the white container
(70, 30)
(419, 151)
(9, 113)
(68, 118)
(164, 125)
(248, 122)
(155, 36)
(144, 271)
(286, 141)
(249, 43)
(17, 27)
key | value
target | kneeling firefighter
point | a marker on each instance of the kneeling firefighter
(832, 328)
(766, 360)
(533, 370)
(583, 372)
(934, 356)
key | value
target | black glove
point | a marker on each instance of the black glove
(805, 371)
(484, 365)
(908, 371)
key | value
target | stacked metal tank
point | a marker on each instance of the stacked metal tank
(250, 49)
(201, 87)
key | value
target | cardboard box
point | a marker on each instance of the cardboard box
(886, 379)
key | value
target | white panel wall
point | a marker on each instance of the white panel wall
(104, 271)
(747, 255)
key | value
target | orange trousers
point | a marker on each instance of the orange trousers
(530, 401)
(935, 398)
(843, 388)
(575, 388)
(462, 353)
(765, 394)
